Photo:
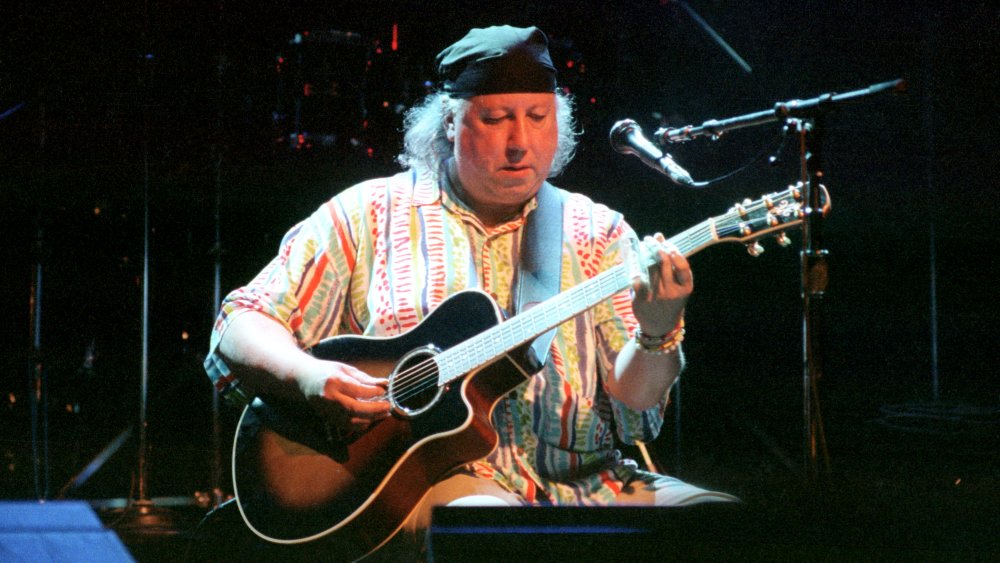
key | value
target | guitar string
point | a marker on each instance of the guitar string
(423, 376)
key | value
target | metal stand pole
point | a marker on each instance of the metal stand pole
(142, 516)
(814, 281)
(37, 384)
(216, 477)
(218, 150)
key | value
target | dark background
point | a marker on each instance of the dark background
(188, 110)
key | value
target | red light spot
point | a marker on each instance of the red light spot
(395, 37)
(569, 64)
(593, 100)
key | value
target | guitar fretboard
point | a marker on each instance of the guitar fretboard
(743, 223)
(493, 343)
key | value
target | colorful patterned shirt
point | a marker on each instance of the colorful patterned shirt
(380, 256)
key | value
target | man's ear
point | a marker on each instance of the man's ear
(449, 126)
(449, 122)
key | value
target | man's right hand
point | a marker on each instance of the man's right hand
(265, 356)
(347, 398)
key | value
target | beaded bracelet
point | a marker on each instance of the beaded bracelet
(660, 345)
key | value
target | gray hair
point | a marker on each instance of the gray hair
(425, 145)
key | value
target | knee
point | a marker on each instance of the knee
(480, 500)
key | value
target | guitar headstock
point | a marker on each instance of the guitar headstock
(774, 213)
(744, 223)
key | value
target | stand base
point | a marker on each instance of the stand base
(144, 518)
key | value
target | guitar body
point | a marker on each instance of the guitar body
(295, 484)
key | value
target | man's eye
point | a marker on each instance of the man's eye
(537, 117)
(492, 120)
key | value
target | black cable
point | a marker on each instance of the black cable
(773, 149)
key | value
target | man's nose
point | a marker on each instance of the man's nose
(517, 136)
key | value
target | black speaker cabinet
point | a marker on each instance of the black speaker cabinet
(580, 534)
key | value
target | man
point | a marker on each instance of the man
(380, 256)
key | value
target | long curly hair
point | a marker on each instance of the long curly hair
(426, 146)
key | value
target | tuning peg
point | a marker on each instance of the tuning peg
(755, 249)
(783, 239)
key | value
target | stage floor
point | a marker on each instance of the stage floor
(918, 482)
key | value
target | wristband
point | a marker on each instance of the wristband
(660, 345)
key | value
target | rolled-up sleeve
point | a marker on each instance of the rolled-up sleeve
(304, 287)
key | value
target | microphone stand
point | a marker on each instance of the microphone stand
(814, 281)
(218, 497)
(806, 119)
(37, 379)
(142, 517)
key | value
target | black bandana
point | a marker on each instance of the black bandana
(497, 60)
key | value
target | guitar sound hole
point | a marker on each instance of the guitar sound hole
(413, 385)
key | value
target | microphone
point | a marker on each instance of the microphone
(626, 137)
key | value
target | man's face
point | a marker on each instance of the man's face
(504, 145)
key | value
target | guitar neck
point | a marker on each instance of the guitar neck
(504, 337)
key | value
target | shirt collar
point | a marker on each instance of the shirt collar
(450, 200)
(426, 190)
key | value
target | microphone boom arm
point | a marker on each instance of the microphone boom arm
(782, 110)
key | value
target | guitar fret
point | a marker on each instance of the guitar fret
(496, 341)
(493, 343)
